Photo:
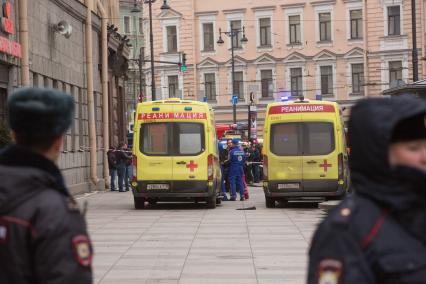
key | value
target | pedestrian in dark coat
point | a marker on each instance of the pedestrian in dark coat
(123, 158)
(43, 235)
(378, 235)
(112, 165)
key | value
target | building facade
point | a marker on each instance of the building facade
(131, 25)
(59, 61)
(342, 50)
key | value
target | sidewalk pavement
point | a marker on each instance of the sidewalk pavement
(187, 243)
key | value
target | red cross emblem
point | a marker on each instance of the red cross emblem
(325, 166)
(191, 166)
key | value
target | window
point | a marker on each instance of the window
(395, 71)
(357, 78)
(285, 139)
(302, 138)
(190, 138)
(265, 31)
(356, 24)
(296, 82)
(236, 40)
(266, 81)
(318, 138)
(294, 27)
(172, 139)
(155, 137)
(239, 85)
(171, 39)
(140, 26)
(208, 37)
(173, 86)
(210, 86)
(394, 25)
(326, 80)
(127, 25)
(325, 26)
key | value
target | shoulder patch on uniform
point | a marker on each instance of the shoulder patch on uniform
(344, 212)
(3, 232)
(329, 272)
(82, 250)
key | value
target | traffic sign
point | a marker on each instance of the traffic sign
(234, 100)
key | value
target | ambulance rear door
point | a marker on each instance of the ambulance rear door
(320, 152)
(284, 160)
(190, 146)
(156, 146)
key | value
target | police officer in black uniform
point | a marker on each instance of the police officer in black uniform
(378, 235)
(43, 236)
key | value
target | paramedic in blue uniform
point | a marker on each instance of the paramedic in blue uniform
(236, 159)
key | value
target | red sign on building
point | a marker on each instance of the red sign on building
(10, 47)
(6, 23)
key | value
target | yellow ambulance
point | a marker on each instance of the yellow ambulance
(304, 151)
(175, 153)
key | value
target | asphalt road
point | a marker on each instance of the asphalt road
(187, 243)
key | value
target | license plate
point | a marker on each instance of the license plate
(157, 186)
(288, 186)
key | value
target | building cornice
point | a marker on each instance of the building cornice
(294, 5)
(264, 8)
(321, 3)
(352, 1)
(234, 11)
(206, 13)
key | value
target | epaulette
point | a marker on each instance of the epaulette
(343, 213)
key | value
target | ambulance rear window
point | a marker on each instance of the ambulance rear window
(318, 138)
(172, 139)
(302, 138)
(285, 139)
(190, 138)
(155, 137)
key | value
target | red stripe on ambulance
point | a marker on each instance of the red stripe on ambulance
(172, 115)
(298, 108)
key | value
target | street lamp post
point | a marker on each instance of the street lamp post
(233, 33)
(136, 9)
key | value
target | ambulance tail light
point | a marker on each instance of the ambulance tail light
(265, 167)
(134, 168)
(340, 167)
(210, 160)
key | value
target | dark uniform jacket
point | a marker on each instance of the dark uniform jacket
(377, 235)
(43, 236)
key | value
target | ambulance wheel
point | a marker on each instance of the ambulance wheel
(152, 202)
(211, 202)
(139, 202)
(270, 202)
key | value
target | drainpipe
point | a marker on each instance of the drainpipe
(365, 31)
(105, 98)
(23, 34)
(90, 96)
